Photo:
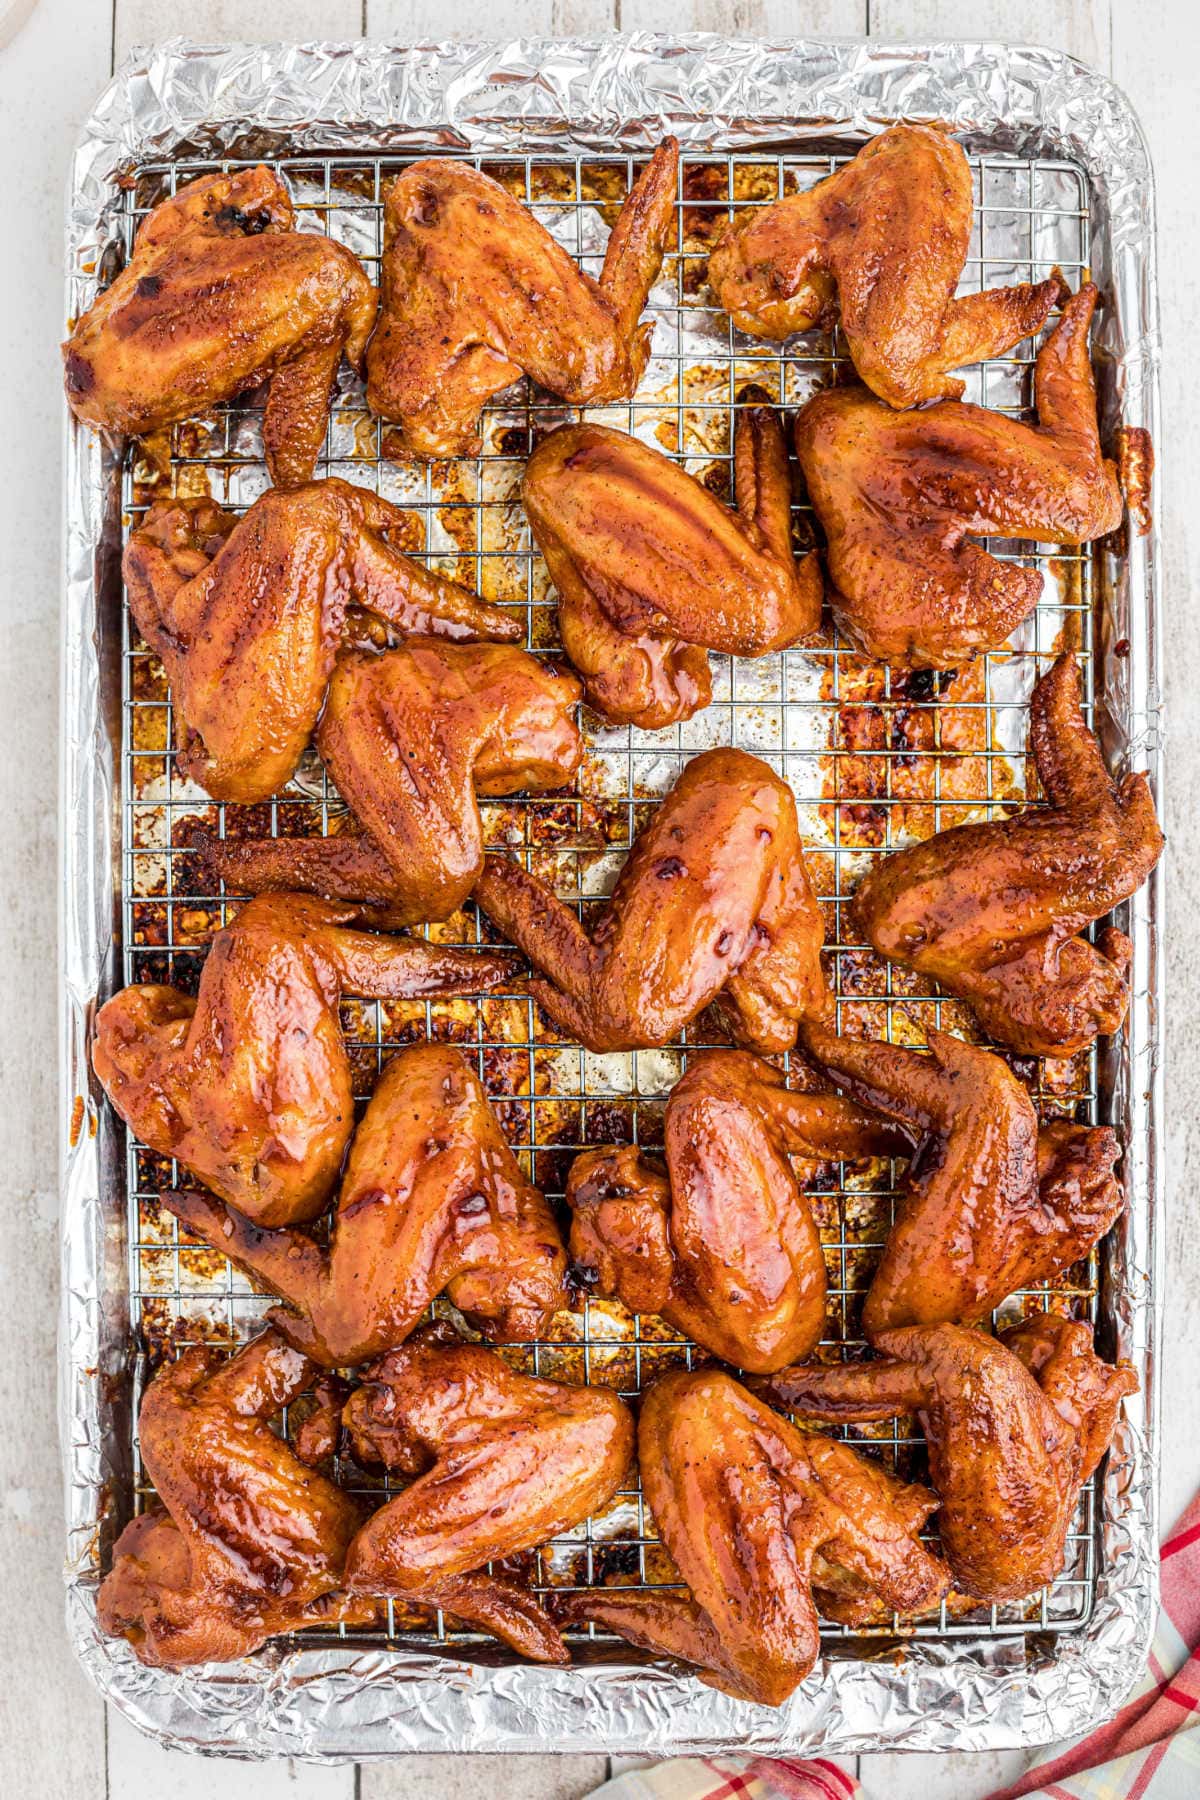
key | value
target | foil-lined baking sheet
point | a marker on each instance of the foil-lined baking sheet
(876, 758)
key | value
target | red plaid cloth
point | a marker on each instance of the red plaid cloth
(733, 1778)
(1148, 1752)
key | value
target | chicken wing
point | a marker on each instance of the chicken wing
(221, 293)
(991, 911)
(503, 1463)
(477, 293)
(897, 495)
(433, 1200)
(252, 1542)
(990, 1206)
(248, 617)
(722, 1243)
(713, 904)
(1085, 1391)
(880, 246)
(760, 1520)
(653, 571)
(411, 738)
(1008, 1448)
(248, 1085)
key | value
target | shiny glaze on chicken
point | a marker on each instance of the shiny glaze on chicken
(221, 293)
(248, 616)
(1085, 1391)
(898, 493)
(412, 738)
(722, 1242)
(879, 246)
(503, 1462)
(1008, 1448)
(476, 293)
(991, 911)
(763, 1525)
(653, 571)
(433, 1201)
(248, 1085)
(713, 905)
(252, 1542)
(989, 1206)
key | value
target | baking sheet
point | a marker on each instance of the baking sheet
(1055, 150)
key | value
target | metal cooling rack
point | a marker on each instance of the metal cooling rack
(876, 758)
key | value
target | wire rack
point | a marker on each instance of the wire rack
(876, 758)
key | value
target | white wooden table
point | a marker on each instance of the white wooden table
(55, 1737)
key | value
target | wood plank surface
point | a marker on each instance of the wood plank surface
(482, 1778)
(1078, 26)
(52, 1737)
(729, 18)
(234, 21)
(139, 1769)
(428, 21)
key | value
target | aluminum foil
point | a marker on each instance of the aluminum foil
(358, 1701)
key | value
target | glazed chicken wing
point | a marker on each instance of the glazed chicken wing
(248, 617)
(1085, 1391)
(991, 911)
(713, 904)
(412, 738)
(477, 293)
(722, 1243)
(221, 293)
(898, 493)
(758, 1520)
(653, 571)
(990, 1207)
(503, 1463)
(880, 246)
(248, 1085)
(432, 1201)
(1008, 1449)
(252, 1542)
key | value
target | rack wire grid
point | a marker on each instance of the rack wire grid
(877, 758)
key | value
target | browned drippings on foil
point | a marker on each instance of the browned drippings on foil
(166, 1333)
(1135, 471)
(910, 753)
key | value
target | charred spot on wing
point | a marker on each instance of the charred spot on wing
(250, 224)
(80, 376)
(581, 1278)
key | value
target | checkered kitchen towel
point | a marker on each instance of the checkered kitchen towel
(733, 1778)
(1150, 1751)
